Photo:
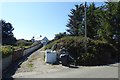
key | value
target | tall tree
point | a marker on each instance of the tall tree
(117, 20)
(92, 21)
(60, 35)
(109, 21)
(7, 34)
(103, 22)
(75, 23)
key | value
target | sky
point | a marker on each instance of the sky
(37, 18)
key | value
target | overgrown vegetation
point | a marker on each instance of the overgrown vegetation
(103, 34)
(23, 42)
(6, 51)
(30, 65)
(98, 52)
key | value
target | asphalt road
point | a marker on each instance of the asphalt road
(110, 71)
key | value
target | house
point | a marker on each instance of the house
(44, 41)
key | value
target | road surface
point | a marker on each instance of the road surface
(35, 67)
(110, 71)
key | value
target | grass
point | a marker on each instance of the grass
(30, 65)
(6, 51)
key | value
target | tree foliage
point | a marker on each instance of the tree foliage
(75, 23)
(23, 42)
(92, 21)
(7, 34)
(99, 52)
(60, 35)
(102, 22)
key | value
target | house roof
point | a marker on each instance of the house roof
(45, 39)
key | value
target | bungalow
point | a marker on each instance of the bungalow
(44, 41)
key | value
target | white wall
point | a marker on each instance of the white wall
(29, 50)
(8, 60)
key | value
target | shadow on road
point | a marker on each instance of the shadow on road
(114, 65)
(11, 70)
(72, 66)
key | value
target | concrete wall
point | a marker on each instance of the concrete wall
(0, 66)
(17, 54)
(6, 62)
(29, 50)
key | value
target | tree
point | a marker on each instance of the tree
(7, 34)
(75, 23)
(117, 21)
(40, 36)
(33, 39)
(103, 22)
(60, 35)
(92, 21)
(109, 21)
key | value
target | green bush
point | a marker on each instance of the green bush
(6, 51)
(35, 43)
(74, 45)
(117, 48)
(22, 43)
(98, 52)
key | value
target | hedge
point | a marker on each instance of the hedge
(7, 50)
(98, 52)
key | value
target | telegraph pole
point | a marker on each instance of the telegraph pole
(85, 30)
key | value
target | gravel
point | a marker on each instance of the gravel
(36, 64)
